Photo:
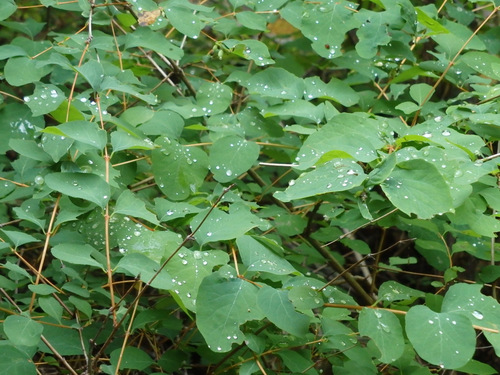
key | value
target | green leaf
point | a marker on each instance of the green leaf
(19, 238)
(29, 149)
(220, 226)
(332, 176)
(139, 265)
(224, 303)
(416, 186)
(257, 257)
(128, 204)
(155, 41)
(167, 210)
(121, 140)
(131, 358)
(254, 21)
(336, 90)
(355, 134)
(373, 31)
(14, 360)
(213, 98)
(297, 108)
(231, 156)
(445, 339)
(279, 310)
(394, 291)
(325, 24)
(483, 63)
(7, 8)
(51, 307)
(179, 170)
(76, 254)
(184, 20)
(56, 146)
(250, 49)
(22, 331)
(80, 185)
(420, 91)
(85, 132)
(188, 268)
(434, 26)
(276, 83)
(42, 289)
(46, 98)
(384, 329)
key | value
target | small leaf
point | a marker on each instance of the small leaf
(19, 238)
(231, 156)
(420, 91)
(444, 339)
(250, 49)
(384, 329)
(80, 185)
(252, 20)
(184, 20)
(121, 140)
(155, 41)
(220, 226)
(167, 210)
(51, 307)
(131, 358)
(394, 291)
(128, 204)
(76, 254)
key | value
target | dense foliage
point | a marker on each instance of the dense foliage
(249, 186)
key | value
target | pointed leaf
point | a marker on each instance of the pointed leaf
(86, 132)
(76, 254)
(279, 310)
(257, 257)
(179, 171)
(214, 98)
(335, 175)
(128, 204)
(46, 98)
(188, 269)
(276, 83)
(224, 303)
(384, 329)
(153, 40)
(80, 185)
(22, 331)
(139, 265)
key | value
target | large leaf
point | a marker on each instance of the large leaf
(416, 186)
(276, 83)
(139, 265)
(224, 303)
(179, 170)
(80, 185)
(354, 134)
(76, 254)
(188, 269)
(335, 175)
(231, 156)
(220, 226)
(384, 329)
(85, 132)
(446, 339)
(250, 49)
(480, 309)
(22, 70)
(213, 98)
(7, 8)
(280, 311)
(14, 360)
(257, 257)
(22, 331)
(46, 98)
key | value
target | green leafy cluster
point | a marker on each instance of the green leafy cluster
(249, 186)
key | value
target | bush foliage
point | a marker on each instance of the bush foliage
(249, 186)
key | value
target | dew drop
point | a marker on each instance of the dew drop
(478, 315)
